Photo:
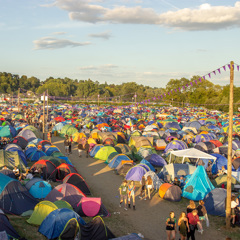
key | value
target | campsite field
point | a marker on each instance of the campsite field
(149, 217)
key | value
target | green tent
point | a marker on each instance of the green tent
(104, 153)
(222, 179)
(34, 130)
(11, 159)
(63, 204)
(41, 211)
(68, 130)
(5, 132)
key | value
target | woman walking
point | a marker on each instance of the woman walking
(194, 224)
(183, 226)
(131, 194)
(149, 185)
(202, 212)
(171, 226)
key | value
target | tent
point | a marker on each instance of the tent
(50, 149)
(137, 172)
(218, 163)
(175, 170)
(5, 225)
(170, 192)
(156, 160)
(41, 211)
(95, 150)
(104, 152)
(78, 181)
(36, 155)
(14, 198)
(215, 202)
(62, 171)
(8, 173)
(96, 230)
(91, 207)
(175, 145)
(198, 185)
(11, 159)
(117, 159)
(63, 204)
(38, 188)
(124, 167)
(222, 180)
(61, 223)
(20, 141)
(66, 192)
(27, 134)
(47, 167)
(190, 153)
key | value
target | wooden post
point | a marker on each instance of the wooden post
(98, 100)
(47, 106)
(18, 98)
(12, 98)
(229, 165)
(43, 115)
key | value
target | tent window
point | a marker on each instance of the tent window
(189, 189)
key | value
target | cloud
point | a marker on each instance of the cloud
(104, 35)
(54, 43)
(204, 17)
(59, 33)
(99, 68)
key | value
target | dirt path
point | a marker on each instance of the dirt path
(150, 215)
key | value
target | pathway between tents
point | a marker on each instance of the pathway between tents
(150, 215)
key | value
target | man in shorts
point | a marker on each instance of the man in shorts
(123, 190)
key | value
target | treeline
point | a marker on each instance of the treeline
(205, 93)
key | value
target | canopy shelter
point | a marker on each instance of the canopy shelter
(190, 153)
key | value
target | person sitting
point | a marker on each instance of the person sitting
(221, 171)
(5, 167)
(176, 181)
(16, 172)
(209, 169)
(182, 182)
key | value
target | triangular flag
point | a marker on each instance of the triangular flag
(214, 72)
(224, 67)
(209, 75)
(219, 70)
(238, 67)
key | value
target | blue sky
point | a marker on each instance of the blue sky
(145, 41)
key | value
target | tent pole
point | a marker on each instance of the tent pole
(229, 165)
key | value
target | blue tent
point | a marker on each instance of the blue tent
(14, 198)
(215, 202)
(95, 150)
(117, 160)
(156, 160)
(38, 188)
(50, 150)
(136, 173)
(176, 145)
(144, 161)
(198, 185)
(36, 155)
(218, 163)
(29, 151)
(66, 159)
(56, 222)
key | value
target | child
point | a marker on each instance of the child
(123, 190)
(149, 184)
(131, 194)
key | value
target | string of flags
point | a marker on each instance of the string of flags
(199, 80)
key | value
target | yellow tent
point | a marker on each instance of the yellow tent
(78, 136)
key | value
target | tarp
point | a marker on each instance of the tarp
(190, 153)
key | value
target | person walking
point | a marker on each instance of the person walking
(191, 206)
(131, 194)
(171, 226)
(70, 144)
(66, 144)
(123, 190)
(183, 226)
(202, 212)
(194, 223)
(149, 185)
(234, 205)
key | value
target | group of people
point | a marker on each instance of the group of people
(127, 192)
(82, 146)
(188, 222)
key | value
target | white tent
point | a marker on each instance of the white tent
(190, 153)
